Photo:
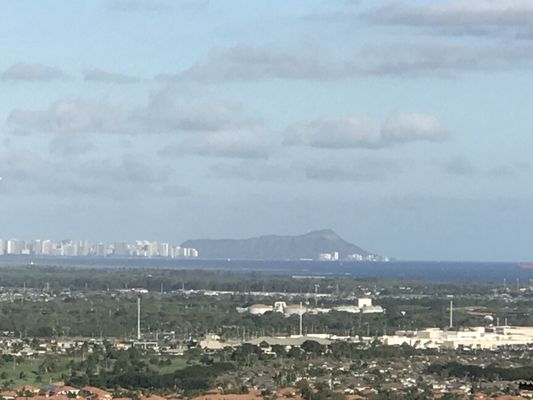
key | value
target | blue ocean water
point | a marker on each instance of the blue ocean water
(417, 270)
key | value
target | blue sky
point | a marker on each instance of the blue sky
(405, 126)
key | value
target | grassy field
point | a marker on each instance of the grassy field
(26, 372)
(177, 363)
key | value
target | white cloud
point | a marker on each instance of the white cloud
(32, 72)
(164, 113)
(167, 112)
(409, 127)
(74, 116)
(338, 133)
(360, 132)
(232, 144)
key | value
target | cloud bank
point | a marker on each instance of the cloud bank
(361, 132)
(472, 16)
(164, 113)
(32, 72)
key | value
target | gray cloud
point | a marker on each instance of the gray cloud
(164, 113)
(251, 170)
(473, 16)
(128, 170)
(462, 166)
(25, 172)
(248, 63)
(360, 132)
(174, 191)
(367, 170)
(459, 166)
(70, 146)
(444, 58)
(100, 75)
(513, 169)
(32, 72)
(441, 58)
(417, 59)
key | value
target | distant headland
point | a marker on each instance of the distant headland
(323, 245)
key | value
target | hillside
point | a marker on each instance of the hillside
(274, 247)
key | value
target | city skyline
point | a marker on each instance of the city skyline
(402, 125)
(84, 248)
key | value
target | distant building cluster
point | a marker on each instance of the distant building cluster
(481, 337)
(369, 257)
(334, 256)
(364, 305)
(329, 256)
(82, 248)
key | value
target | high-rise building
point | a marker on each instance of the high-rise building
(101, 250)
(23, 247)
(176, 252)
(76, 248)
(12, 247)
(83, 248)
(69, 249)
(36, 247)
(163, 250)
(121, 249)
(47, 247)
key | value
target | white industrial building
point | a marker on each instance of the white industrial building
(468, 338)
(364, 305)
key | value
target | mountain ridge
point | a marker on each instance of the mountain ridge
(278, 247)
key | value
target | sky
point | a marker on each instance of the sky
(405, 126)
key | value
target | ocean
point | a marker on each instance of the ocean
(398, 270)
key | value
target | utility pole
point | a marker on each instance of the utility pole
(301, 319)
(139, 318)
(451, 314)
